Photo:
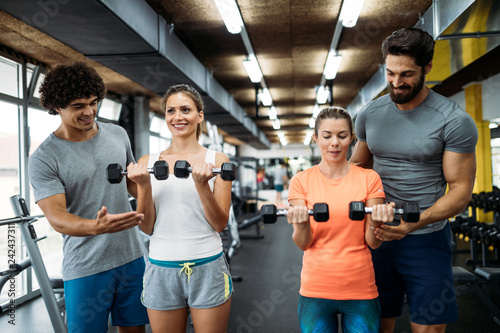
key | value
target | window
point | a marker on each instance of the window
(41, 125)
(9, 178)
(38, 84)
(160, 137)
(110, 109)
(11, 83)
(13, 172)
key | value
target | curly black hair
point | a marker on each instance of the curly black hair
(65, 83)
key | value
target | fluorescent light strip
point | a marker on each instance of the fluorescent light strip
(307, 139)
(312, 122)
(253, 69)
(322, 95)
(231, 16)
(350, 12)
(276, 124)
(315, 111)
(265, 97)
(272, 113)
(332, 65)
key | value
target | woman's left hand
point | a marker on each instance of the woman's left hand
(202, 172)
(382, 213)
(297, 215)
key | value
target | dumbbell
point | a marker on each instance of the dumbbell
(115, 173)
(270, 213)
(226, 171)
(410, 211)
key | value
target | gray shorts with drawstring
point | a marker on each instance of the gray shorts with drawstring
(201, 283)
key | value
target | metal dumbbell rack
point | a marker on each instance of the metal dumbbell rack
(55, 307)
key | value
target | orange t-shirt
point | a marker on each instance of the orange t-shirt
(338, 264)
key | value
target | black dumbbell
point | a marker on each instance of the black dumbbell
(115, 173)
(226, 171)
(410, 211)
(270, 213)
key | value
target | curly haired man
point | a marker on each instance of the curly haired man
(103, 262)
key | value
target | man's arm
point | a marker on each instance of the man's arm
(54, 208)
(459, 171)
(361, 155)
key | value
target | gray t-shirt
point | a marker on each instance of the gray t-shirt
(78, 170)
(408, 147)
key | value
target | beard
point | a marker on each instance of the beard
(409, 94)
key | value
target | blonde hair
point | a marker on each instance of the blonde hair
(334, 112)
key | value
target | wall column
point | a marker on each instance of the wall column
(484, 182)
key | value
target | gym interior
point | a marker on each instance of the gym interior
(141, 47)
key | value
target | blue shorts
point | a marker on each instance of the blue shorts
(419, 266)
(278, 188)
(90, 300)
(320, 315)
(201, 283)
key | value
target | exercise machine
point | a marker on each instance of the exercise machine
(52, 290)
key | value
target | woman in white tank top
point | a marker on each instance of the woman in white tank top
(184, 218)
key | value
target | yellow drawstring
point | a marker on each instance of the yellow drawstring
(186, 268)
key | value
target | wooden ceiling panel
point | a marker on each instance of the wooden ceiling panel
(291, 39)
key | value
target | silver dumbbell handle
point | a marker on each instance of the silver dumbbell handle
(150, 170)
(368, 210)
(214, 170)
(284, 212)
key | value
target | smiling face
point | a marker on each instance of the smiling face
(333, 138)
(405, 79)
(181, 115)
(79, 115)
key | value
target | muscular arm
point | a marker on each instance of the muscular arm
(459, 171)
(54, 208)
(361, 155)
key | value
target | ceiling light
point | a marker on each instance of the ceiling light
(265, 97)
(272, 113)
(283, 141)
(307, 139)
(253, 69)
(350, 12)
(493, 125)
(322, 95)
(231, 16)
(312, 122)
(276, 124)
(332, 65)
(315, 111)
(281, 134)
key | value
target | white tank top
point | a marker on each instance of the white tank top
(181, 231)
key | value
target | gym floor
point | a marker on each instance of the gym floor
(266, 299)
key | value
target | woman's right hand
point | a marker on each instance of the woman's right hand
(138, 173)
(297, 215)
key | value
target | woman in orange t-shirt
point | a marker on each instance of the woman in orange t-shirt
(337, 273)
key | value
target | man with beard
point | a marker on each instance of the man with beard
(419, 142)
